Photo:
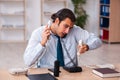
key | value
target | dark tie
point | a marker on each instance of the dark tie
(60, 52)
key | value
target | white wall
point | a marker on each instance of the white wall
(92, 9)
(33, 18)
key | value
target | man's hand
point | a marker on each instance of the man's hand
(45, 35)
(83, 48)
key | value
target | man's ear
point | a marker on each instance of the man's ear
(57, 21)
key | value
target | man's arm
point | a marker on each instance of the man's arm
(34, 49)
(36, 46)
(93, 41)
(90, 40)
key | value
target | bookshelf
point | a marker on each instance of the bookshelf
(48, 7)
(12, 20)
(109, 20)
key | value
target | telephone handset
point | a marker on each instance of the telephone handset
(49, 23)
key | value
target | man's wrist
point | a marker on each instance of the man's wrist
(87, 47)
(42, 43)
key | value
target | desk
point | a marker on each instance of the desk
(64, 75)
(5, 75)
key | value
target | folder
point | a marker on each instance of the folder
(45, 76)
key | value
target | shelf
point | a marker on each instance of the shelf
(105, 28)
(47, 13)
(48, 8)
(104, 40)
(8, 14)
(13, 21)
(11, 41)
(54, 0)
(104, 16)
(109, 20)
(105, 4)
(11, 0)
(12, 28)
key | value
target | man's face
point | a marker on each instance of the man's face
(63, 28)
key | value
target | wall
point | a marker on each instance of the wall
(92, 9)
(33, 16)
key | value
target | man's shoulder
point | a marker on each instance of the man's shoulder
(76, 28)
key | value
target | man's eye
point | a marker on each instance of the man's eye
(66, 26)
(71, 27)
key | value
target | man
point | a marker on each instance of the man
(42, 46)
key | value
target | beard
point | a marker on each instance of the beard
(64, 35)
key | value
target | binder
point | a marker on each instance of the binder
(105, 35)
(104, 22)
(104, 10)
(106, 1)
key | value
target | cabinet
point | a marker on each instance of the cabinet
(109, 20)
(12, 20)
(48, 7)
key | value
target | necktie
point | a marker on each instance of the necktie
(60, 52)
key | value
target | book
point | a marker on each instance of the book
(106, 72)
(45, 76)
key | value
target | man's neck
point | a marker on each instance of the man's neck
(52, 28)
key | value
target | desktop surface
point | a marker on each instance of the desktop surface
(86, 74)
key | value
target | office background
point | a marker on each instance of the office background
(11, 53)
(91, 8)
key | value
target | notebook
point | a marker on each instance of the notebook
(106, 72)
(45, 76)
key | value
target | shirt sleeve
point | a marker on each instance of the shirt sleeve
(93, 41)
(88, 38)
(34, 49)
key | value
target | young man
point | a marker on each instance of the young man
(42, 46)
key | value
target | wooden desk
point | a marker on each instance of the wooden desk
(85, 75)
(64, 75)
(5, 75)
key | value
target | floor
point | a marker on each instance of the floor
(11, 55)
(107, 53)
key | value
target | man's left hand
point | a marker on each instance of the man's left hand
(83, 48)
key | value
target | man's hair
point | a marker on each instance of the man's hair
(63, 14)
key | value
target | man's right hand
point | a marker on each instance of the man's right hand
(45, 35)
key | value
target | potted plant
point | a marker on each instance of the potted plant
(80, 13)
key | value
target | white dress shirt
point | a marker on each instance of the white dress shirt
(45, 56)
